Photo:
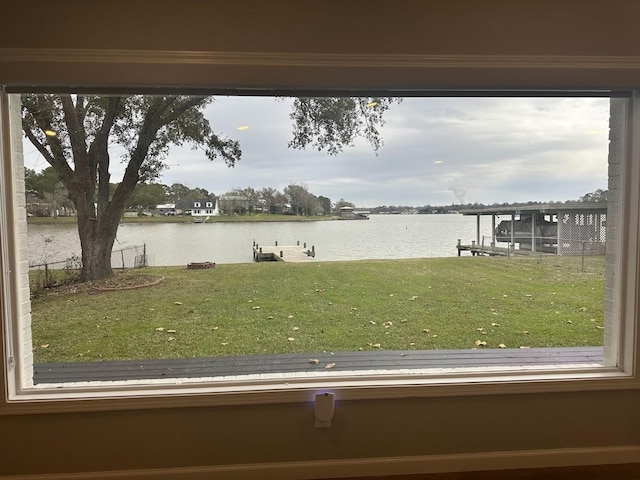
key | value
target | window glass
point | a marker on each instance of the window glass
(340, 235)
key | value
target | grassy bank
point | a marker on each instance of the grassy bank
(331, 306)
(258, 217)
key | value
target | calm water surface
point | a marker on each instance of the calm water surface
(383, 236)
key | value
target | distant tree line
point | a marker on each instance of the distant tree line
(47, 196)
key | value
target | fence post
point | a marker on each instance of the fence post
(540, 249)
(122, 257)
(46, 274)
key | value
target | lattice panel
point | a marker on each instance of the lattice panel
(582, 232)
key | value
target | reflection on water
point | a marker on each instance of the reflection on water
(383, 236)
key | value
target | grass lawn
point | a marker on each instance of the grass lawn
(437, 303)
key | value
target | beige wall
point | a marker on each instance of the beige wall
(279, 433)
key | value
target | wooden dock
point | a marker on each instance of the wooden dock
(380, 361)
(283, 253)
(482, 250)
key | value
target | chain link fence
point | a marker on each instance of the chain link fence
(584, 253)
(53, 273)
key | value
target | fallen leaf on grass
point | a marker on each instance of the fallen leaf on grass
(320, 290)
(295, 329)
(426, 330)
(171, 331)
(502, 345)
(291, 339)
(177, 303)
(214, 328)
(290, 316)
(480, 329)
(330, 365)
(387, 324)
(376, 345)
(160, 329)
(171, 339)
(256, 308)
(569, 321)
(600, 327)
(495, 324)
(481, 343)
(523, 347)
(315, 361)
(583, 309)
(46, 345)
(224, 343)
(413, 298)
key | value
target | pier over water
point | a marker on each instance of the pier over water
(283, 253)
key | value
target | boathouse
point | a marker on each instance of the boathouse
(563, 229)
(349, 213)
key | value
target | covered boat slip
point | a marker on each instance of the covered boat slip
(562, 229)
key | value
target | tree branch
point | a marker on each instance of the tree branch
(74, 129)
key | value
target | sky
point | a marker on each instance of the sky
(437, 151)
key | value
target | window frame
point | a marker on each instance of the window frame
(236, 392)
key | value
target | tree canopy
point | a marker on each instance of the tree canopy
(76, 134)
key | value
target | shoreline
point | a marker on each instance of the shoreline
(187, 219)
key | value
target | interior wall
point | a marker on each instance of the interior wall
(183, 437)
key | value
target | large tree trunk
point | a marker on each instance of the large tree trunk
(96, 257)
(97, 235)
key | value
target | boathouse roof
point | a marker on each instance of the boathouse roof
(540, 208)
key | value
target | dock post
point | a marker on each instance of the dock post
(281, 254)
(298, 243)
(276, 243)
(305, 245)
(459, 244)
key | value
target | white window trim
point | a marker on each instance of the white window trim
(236, 391)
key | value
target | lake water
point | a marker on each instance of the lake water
(383, 236)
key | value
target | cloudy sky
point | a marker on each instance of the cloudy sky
(436, 151)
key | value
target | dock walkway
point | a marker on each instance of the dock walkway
(283, 253)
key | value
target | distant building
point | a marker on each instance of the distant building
(349, 213)
(167, 209)
(205, 208)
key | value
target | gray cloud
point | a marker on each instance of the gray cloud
(436, 151)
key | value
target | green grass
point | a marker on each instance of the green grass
(329, 306)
